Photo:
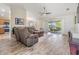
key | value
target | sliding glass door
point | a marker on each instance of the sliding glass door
(55, 26)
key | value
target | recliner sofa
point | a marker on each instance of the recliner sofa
(25, 37)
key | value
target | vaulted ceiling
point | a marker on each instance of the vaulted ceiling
(57, 9)
(60, 8)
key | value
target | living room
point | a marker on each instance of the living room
(39, 28)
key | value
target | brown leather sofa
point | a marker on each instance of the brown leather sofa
(25, 37)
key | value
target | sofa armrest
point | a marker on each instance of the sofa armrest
(33, 36)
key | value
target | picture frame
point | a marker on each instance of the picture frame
(19, 21)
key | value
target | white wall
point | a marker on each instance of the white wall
(26, 14)
(68, 23)
(29, 15)
(77, 28)
(32, 17)
(17, 12)
(77, 19)
(67, 17)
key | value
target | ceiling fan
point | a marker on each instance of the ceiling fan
(44, 11)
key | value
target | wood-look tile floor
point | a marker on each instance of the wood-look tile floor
(3, 36)
(49, 44)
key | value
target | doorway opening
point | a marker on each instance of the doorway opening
(55, 26)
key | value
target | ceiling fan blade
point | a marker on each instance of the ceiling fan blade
(44, 12)
(48, 13)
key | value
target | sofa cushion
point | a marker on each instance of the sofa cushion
(24, 33)
(31, 29)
